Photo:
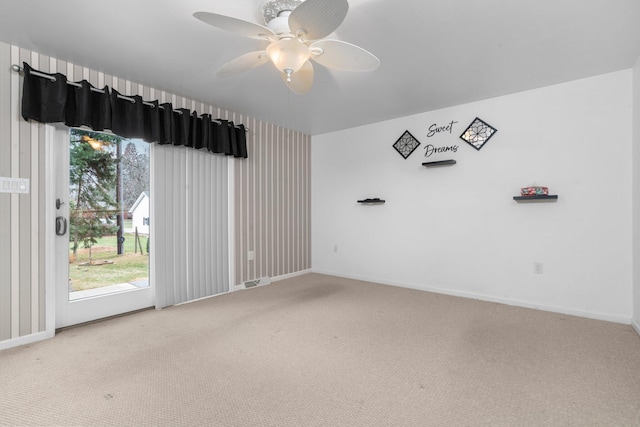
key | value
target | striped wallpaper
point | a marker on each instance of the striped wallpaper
(271, 210)
(273, 204)
(21, 243)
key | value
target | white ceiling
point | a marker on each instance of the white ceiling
(433, 54)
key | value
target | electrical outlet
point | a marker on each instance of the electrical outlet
(250, 256)
(537, 268)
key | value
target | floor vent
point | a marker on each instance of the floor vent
(251, 284)
(254, 283)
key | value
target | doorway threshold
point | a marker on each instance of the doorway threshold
(105, 290)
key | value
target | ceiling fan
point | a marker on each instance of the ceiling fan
(295, 30)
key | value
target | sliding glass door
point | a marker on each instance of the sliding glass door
(103, 202)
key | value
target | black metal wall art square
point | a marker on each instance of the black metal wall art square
(478, 133)
(406, 144)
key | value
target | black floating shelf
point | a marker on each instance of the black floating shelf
(371, 201)
(531, 198)
(439, 163)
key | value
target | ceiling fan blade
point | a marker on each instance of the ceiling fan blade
(301, 80)
(318, 18)
(235, 25)
(243, 63)
(343, 56)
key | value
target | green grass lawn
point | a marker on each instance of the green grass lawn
(128, 267)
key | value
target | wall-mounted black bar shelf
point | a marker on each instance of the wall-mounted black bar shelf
(371, 201)
(532, 198)
(439, 163)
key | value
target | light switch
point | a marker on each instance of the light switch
(14, 185)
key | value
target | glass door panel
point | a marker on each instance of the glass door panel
(103, 184)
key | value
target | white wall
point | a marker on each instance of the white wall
(457, 229)
(636, 196)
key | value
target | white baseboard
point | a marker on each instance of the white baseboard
(290, 275)
(490, 298)
(276, 278)
(27, 339)
(636, 325)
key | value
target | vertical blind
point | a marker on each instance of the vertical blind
(189, 224)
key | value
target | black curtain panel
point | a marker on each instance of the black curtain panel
(86, 106)
(49, 98)
(44, 100)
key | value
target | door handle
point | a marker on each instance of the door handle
(61, 226)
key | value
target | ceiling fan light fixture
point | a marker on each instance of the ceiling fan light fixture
(297, 31)
(288, 55)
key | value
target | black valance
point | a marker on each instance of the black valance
(48, 98)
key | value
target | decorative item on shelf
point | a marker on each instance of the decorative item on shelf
(478, 133)
(439, 163)
(534, 191)
(406, 144)
(375, 200)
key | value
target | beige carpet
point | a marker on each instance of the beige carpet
(323, 351)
